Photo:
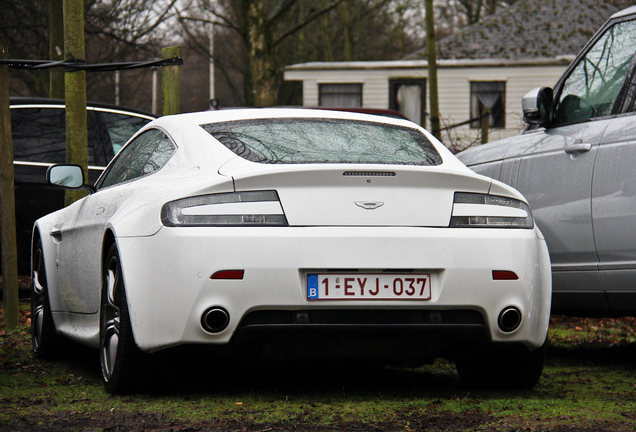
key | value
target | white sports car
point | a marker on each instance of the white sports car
(293, 234)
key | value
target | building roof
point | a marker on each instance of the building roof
(529, 29)
(423, 64)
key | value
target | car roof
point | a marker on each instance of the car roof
(212, 116)
(16, 100)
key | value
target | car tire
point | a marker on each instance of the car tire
(502, 367)
(44, 336)
(120, 357)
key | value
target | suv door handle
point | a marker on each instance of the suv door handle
(578, 148)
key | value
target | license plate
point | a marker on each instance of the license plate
(354, 286)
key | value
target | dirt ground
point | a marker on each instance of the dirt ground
(50, 421)
(151, 422)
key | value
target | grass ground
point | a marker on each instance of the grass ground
(589, 384)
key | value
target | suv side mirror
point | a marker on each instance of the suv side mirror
(67, 176)
(538, 106)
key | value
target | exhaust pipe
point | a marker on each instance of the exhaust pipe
(215, 319)
(509, 319)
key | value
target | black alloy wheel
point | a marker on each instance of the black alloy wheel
(120, 357)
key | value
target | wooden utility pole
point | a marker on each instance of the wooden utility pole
(56, 47)
(170, 82)
(485, 125)
(7, 204)
(75, 91)
(432, 68)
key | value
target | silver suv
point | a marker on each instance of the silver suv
(575, 164)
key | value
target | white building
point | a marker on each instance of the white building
(465, 86)
(491, 64)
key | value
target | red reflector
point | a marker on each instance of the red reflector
(504, 275)
(228, 274)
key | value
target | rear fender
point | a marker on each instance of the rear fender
(43, 232)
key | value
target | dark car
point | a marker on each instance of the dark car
(575, 166)
(39, 141)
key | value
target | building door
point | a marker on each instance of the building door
(408, 96)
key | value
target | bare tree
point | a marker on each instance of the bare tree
(127, 30)
(116, 30)
(471, 11)
(56, 47)
(369, 30)
(250, 52)
(254, 40)
(432, 68)
(24, 31)
(263, 26)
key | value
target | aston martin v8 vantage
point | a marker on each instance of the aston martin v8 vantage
(293, 234)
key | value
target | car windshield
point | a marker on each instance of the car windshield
(303, 140)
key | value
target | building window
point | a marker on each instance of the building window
(408, 96)
(489, 95)
(340, 95)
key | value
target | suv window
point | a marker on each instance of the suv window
(144, 155)
(121, 127)
(39, 135)
(592, 88)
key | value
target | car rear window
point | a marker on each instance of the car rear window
(302, 140)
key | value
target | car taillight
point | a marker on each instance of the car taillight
(471, 210)
(254, 208)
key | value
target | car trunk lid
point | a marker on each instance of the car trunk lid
(358, 195)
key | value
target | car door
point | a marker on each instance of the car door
(614, 201)
(80, 237)
(555, 174)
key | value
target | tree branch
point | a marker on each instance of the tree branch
(308, 20)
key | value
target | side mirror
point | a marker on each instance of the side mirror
(67, 176)
(538, 106)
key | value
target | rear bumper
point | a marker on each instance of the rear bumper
(382, 334)
(168, 283)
